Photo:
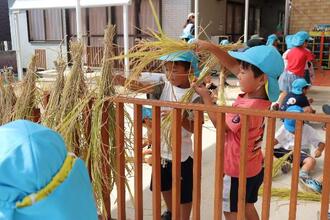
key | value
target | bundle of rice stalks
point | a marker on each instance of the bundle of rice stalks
(221, 89)
(279, 162)
(284, 194)
(74, 92)
(51, 116)
(26, 103)
(7, 96)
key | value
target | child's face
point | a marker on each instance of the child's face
(249, 83)
(177, 74)
(305, 90)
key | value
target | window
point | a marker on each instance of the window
(45, 25)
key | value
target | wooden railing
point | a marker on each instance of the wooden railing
(219, 158)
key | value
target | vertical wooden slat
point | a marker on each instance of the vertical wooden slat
(156, 208)
(242, 167)
(219, 165)
(105, 158)
(176, 164)
(326, 175)
(198, 120)
(268, 168)
(138, 195)
(120, 152)
(295, 170)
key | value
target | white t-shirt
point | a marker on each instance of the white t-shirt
(173, 93)
(286, 139)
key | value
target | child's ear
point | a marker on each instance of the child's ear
(263, 79)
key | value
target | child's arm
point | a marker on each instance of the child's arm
(224, 58)
(134, 84)
(319, 150)
(207, 100)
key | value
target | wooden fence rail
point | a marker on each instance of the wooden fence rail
(198, 109)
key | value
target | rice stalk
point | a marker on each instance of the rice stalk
(51, 116)
(285, 193)
(27, 101)
(9, 97)
(279, 162)
(74, 91)
(221, 101)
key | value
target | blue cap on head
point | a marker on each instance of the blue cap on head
(288, 41)
(298, 85)
(187, 56)
(290, 124)
(146, 113)
(30, 156)
(271, 39)
(224, 42)
(299, 38)
(269, 61)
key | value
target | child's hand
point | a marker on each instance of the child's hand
(164, 113)
(202, 45)
(317, 153)
(200, 89)
(147, 156)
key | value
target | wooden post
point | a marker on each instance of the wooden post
(266, 196)
(120, 153)
(176, 163)
(242, 167)
(198, 120)
(295, 170)
(219, 165)
(138, 194)
(156, 208)
(326, 176)
(106, 157)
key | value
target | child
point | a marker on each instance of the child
(296, 58)
(284, 143)
(188, 32)
(272, 40)
(178, 66)
(257, 69)
(298, 97)
(39, 179)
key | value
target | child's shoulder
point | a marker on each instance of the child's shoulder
(243, 102)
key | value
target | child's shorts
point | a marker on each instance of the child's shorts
(186, 179)
(230, 191)
(280, 152)
(285, 81)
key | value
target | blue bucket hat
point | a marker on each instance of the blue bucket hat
(269, 61)
(271, 39)
(298, 85)
(288, 41)
(187, 56)
(39, 179)
(224, 42)
(146, 113)
(290, 124)
(299, 38)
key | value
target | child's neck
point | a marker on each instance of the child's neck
(257, 94)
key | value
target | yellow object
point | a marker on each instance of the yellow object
(266, 87)
(60, 177)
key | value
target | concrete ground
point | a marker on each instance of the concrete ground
(279, 208)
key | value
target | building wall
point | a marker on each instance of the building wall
(213, 16)
(174, 15)
(306, 13)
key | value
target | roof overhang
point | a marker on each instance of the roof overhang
(43, 4)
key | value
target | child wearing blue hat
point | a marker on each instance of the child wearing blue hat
(179, 66)
(188, 32)
(39, 179)
(272, 40)
(298, 97)
(296, 58)
(284, 143)
(257, 69)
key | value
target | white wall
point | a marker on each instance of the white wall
(174, 15)
(27, 48)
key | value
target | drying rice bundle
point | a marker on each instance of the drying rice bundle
(26, 102)
(285, 193)
(9, 97)
(2, 97)
(51, 115)
(221, 88)
(74, 91)
(279, 162)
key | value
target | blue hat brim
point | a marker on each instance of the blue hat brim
(288, 126)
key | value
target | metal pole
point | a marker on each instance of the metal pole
(246, 21)
(126, 45)
(196, 19)
(286, 17)
(18, 47)
(78, 20)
